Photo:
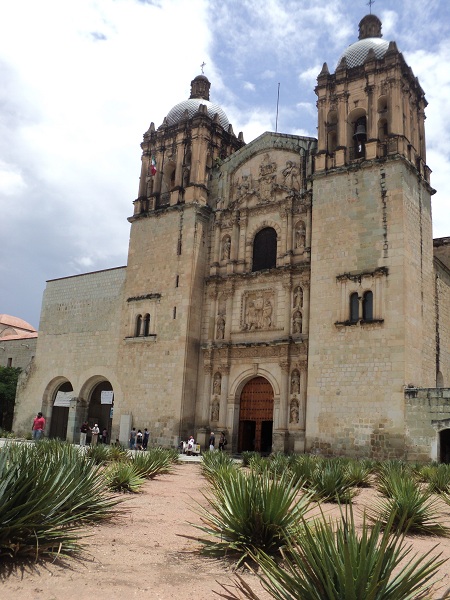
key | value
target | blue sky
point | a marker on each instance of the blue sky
(81, 82)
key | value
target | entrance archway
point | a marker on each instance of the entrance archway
(256, 416)
(60, 411)
(99, 412)
(444, 445)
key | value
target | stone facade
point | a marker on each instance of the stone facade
(284, 291)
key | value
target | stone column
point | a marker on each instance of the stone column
(235, 240)
(243, 223)
(302, 399)
(305, 308)
(212, 314)
(308, 225)
(229, 315)
(287, 285)
(225, 371)
(206, 394)
(342, 120)
(284, 396)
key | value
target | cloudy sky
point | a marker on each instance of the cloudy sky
(81, 82)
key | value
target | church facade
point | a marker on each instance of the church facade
(287, 291)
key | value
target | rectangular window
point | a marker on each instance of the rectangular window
(177, 281)
(9, 362)
(174, 312)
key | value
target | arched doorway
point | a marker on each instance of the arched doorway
(60, 411)
(256, 416)
(101, 407)
(444, 445)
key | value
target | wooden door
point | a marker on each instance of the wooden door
(256, 416)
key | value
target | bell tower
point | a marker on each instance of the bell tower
(167, 260)
(371, 250)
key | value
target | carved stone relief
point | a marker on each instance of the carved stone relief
(298, 297)
(220, 327)
(297, 322)
(217, 385)
(300, 235)
(226, 247)
(294, 411)
(295, 382)
(215, 408)
(258, 311)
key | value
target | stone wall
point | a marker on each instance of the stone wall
(17, 353)
(78, 342)
(427, 412)
(442, 291)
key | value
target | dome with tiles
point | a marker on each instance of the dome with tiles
(369, 39)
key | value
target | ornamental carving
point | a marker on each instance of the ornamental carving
(258, 311)
(294, 411)
(217, 384)
(215, 409)
(295, 382)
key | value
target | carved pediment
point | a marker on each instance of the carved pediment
(267, 178)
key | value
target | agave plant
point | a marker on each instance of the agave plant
(123, 477)
(152, 463)
(45, 497)
(246, 456)
(249, 513)
(117, 454)
(359, 472)
(329, 482)
(303, 466)
(439, 479)
(99, 454)
(214, 464)
(408, 508)
(329, 562)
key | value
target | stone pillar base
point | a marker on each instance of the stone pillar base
(280, 440)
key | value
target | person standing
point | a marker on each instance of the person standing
(83, 432)
(104, 436)
(222, 441)
(212, 441)
(139, 440)
(133, 438)
(95, 431)
(37, 431)
(146, 438)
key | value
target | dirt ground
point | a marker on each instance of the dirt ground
(143, 554)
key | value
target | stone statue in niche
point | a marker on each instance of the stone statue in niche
(215, 411)
(294, 412)
(220, 333)
(295, 382)
(298, 297)
(297, 322)
(258, 311)
(226, 248)
(217, 385)
(186, 176)
(291, 174)
(300, 235)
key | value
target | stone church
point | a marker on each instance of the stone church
(287, 291)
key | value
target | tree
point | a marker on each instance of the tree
(8, 385)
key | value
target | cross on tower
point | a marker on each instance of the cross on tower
(202, 66)
(369, 4)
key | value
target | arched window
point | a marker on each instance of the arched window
(147, 324)
(137, 330)
(265, 249)
(354, 307)
(367, 306)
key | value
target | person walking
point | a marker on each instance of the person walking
(37, 431)
(95, 431)
(212, 441)
(146, 438)
(83, 433)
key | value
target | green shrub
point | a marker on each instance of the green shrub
(100, 454)
(246, 456)
(439, 479)
(359, 472)
(329, 482)
(152, 463)
(118, 454)
(329, 562)
(408, 509)
(214, 464)
(123, 477)
(46, 492)
(248, 513)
